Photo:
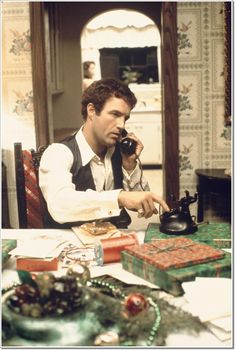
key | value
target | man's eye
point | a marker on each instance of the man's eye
(116, 114)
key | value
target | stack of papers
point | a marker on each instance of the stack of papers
(211, 300)
(39, 248)
(41, 251)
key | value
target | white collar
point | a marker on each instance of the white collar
(87, 153)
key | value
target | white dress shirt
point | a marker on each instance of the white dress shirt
(65, 204)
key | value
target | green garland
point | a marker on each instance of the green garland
(104, 311)
(173, 319)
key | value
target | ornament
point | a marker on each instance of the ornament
(135, 303)
(81, 272)
(44, 297)
(45, 283)
(108, 338)
(121, 295)
(27, 293)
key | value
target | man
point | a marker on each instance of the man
(86, 177)
(88, 73)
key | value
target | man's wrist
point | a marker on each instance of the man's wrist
(120, 199)
(129, 166)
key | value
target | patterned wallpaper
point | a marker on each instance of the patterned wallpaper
(17, 75)
(204, 142)
(17, 107)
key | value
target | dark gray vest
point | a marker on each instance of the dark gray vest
(83, 180)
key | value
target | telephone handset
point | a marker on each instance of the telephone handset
(127, 145)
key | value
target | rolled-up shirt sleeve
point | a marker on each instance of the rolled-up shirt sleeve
(64, 203)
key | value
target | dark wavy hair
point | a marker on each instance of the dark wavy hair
(101, 90)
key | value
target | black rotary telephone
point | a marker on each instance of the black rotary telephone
(127, 145)
(178, 221)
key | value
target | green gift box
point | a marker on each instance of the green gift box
(175, 253)
(171, 279)
(7, 246)
(214, 234)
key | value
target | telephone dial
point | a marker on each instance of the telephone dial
(127, 145)
(178, 221)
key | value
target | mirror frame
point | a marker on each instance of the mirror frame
(166, 18)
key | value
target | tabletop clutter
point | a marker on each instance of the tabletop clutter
(94, 243)
(169, 262)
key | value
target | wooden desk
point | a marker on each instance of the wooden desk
(211, 181)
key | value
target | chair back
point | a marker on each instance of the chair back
(29, 197)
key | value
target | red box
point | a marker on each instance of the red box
(37, 265)
(175, 253)
(112, 247)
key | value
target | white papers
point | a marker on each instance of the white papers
(46, 243)
(224, 323)
(209, 298)
(220, 333)
(203, 340)
(115, 270)
(38, 248)
(24, 234)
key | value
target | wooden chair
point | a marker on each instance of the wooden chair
(29, 197)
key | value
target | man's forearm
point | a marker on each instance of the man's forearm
(72, 206)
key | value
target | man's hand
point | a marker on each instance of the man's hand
(143, 202)
(129, 161)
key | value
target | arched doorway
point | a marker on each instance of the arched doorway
(164, 15)
(126, 45)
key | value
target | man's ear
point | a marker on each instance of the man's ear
(90, 110)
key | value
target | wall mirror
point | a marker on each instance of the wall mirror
(51, 98)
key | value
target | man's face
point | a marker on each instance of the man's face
(91, 70)
(108, 125)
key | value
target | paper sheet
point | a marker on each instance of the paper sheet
(39, 248)
(219, 333)
(23, 234)
(203, 340)
(115, 270)
(209, 298)
(224, 323)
